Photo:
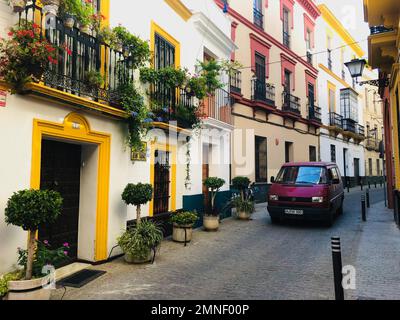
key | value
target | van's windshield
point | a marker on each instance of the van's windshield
(302, 175)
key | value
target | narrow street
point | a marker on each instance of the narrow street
(254, 260)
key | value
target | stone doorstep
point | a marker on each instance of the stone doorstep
(70, 269)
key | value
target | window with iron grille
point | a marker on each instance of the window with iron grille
(286, 35)
(257, 13)
(333, 153)
(164, 53)
(261, 157)
(370, 166)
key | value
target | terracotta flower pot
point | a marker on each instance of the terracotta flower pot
(28, 289)
(243, 215)
(178, 233)
(211, 223)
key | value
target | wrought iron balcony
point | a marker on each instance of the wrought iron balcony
(350, 125)
(372, 144)
(286, 39)
(173, 105)
(335, 120)
(262, 91)
(313, 112)
(217, 106)
(360, 130)
(258, 18)
(309, 57)
(291, 103)
(379, 29)
(330, 63)
(235, 81)
(88, 54)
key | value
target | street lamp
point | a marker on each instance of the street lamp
(356, 68)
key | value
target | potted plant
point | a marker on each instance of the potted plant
(243, 204)
(137, 195)
(30, 209)
(84, 14)
(182, 223)
(94, 79)
(50, 6)
(211, 219)
(25, 55)
(18, 5)
(138, 242)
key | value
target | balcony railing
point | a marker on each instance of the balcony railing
(309, 57)
(235, 81)
(218, 106)
(88, 53)
(314, 112)
(258, 18)
(350, 125)
(360, 130)
(330, 64)
(286, 39)
(291, 103)
(379, 29)
(335, 120)
(170, 105)
(262, 91)
(372, 144)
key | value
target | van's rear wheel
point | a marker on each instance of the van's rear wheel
(340, 210)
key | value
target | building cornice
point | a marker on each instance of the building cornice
(336, 25)
(310, 7)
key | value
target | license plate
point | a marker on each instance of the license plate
(294, 212)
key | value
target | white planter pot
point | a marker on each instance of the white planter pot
(129, 258)
(211, 223)
(28, 289)
(51, 6)
(69, 22)
(178, 233)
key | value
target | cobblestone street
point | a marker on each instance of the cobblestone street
(259, 260)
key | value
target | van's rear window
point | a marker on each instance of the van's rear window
(302, 175)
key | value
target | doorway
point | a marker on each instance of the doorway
(60, 171)
(205, 175)
(161, 182)
(357, 170)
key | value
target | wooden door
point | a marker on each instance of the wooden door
(161, 182)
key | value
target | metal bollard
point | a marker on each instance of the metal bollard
(375, 184)
(363, 209)
(367, 197)
(337, 267)
(361, 184)
(369, 184)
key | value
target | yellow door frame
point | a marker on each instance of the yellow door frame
(76, 128)
(173, 160)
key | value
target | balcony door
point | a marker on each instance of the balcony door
(260, 89)
(286, 36)
(288, 82)
(161, 182)
(311, 99)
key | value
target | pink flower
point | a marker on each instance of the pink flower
(46, 242)
(66, 244)
(66, 253)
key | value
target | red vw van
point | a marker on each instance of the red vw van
(307, 190)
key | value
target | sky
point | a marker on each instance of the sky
(351, 14)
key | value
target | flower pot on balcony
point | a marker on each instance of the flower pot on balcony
(211, 223)
(28, 289)
(69, 21)
(84, 29)
(50, 6)
(18, 5)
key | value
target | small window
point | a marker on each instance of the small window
(288, 151)
(333, 153)
(313, 153)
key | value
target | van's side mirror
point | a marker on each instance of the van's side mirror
(272, 179)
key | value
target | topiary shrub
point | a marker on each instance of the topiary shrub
(241, 184)
(213, 185)
(137, 195)
(30, 209)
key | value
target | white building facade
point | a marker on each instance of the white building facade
(343, 132)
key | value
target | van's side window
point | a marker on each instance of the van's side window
(338, 174)
(333, 175)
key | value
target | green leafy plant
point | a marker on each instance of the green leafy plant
(241, 205)
(137, 195)
(210, 72)
(139, 240)
(184, 218)
(30, 209)
(82, 10)
(107, 36)
(138, 49)
(44, 256)
(94, 79)
(25, 55)
(5, 278)
(213, 184)
(241, 184)
(169, 77)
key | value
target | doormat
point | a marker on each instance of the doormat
(81, 278)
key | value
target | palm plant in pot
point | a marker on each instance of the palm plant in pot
(29, 209)
(138, 241)
(211, 218)
(182, 223)
(244, 206)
